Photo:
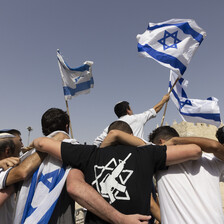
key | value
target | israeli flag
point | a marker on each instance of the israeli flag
(75, 80)
(193, 110)
(171, 43)
(39, 194)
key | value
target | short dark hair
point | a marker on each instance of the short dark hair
(120, 125)
(7, 142)
(163, 132)
(54, 119)
(220, 135)
(120, 109)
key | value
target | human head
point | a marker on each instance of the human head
(122, 108)
(120, 125)
(220, 135)
(17, 138)
(162, 133)
(7, 146)
(54, 119)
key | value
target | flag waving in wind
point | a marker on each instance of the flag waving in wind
(171, 43)
(75, 80)
(193, 110)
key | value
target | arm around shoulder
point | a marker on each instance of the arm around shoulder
(182, 153)
(25, 168)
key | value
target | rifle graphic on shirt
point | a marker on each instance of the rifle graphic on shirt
(109, 183)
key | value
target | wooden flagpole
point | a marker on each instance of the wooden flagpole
(70, 125)
(164, 113)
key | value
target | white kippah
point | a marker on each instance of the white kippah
(6, 135)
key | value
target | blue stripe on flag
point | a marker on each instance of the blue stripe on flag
(45, 219)
(30, 196)
(79, 87)
(185, 27)
(162, 57)
(208, 116)
(81, 68)
(215, 117)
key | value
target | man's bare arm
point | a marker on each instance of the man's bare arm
(175, 154)
(25, 168)
(155, 209)
(48, 145)
(89, 198)
(5, 194)
(181, 153)
(206, 144)
(159, 105)
(115, 136)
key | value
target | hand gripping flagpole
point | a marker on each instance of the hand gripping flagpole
(164, 113)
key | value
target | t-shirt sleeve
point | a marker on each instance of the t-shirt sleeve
(145, 116)
(3, 177)
(158, 156)
(77, 156)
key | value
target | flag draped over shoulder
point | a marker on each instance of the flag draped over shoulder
(171, 43)
(75, 80)
(39, 194)
(193, 110)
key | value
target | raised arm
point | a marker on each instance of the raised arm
(206, 144)
(181, 153)
(25, 168)
(89, 198)
(115, 136)
(159, 105)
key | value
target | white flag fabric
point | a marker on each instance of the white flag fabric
(75, 80)
(171, 43)
(39, 194)
(194, 110)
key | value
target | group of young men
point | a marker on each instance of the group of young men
(113, 178)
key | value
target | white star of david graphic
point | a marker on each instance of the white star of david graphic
(110, 180)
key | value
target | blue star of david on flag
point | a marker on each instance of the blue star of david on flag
(194, 110)
(171, 43)
(168, 35)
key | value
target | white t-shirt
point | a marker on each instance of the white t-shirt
(190, 193)
(136, 122)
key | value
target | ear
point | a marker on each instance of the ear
(8, 152)
(162, 141)
(129, 112)
(67, 128)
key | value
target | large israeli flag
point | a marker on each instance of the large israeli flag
(171, 43)
(75, 80)
(193, 110)
(38, 195)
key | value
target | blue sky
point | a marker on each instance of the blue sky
(104, 32)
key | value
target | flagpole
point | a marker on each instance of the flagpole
(70, 125)
(164, 113)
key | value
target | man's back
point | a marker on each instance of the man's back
(189, 192)
(121, 174)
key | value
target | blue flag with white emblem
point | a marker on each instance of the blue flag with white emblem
(171, 43)
(75, 80)
(193, 110)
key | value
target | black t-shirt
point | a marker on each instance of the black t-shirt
(121, 174)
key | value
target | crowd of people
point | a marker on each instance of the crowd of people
(114, 178)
